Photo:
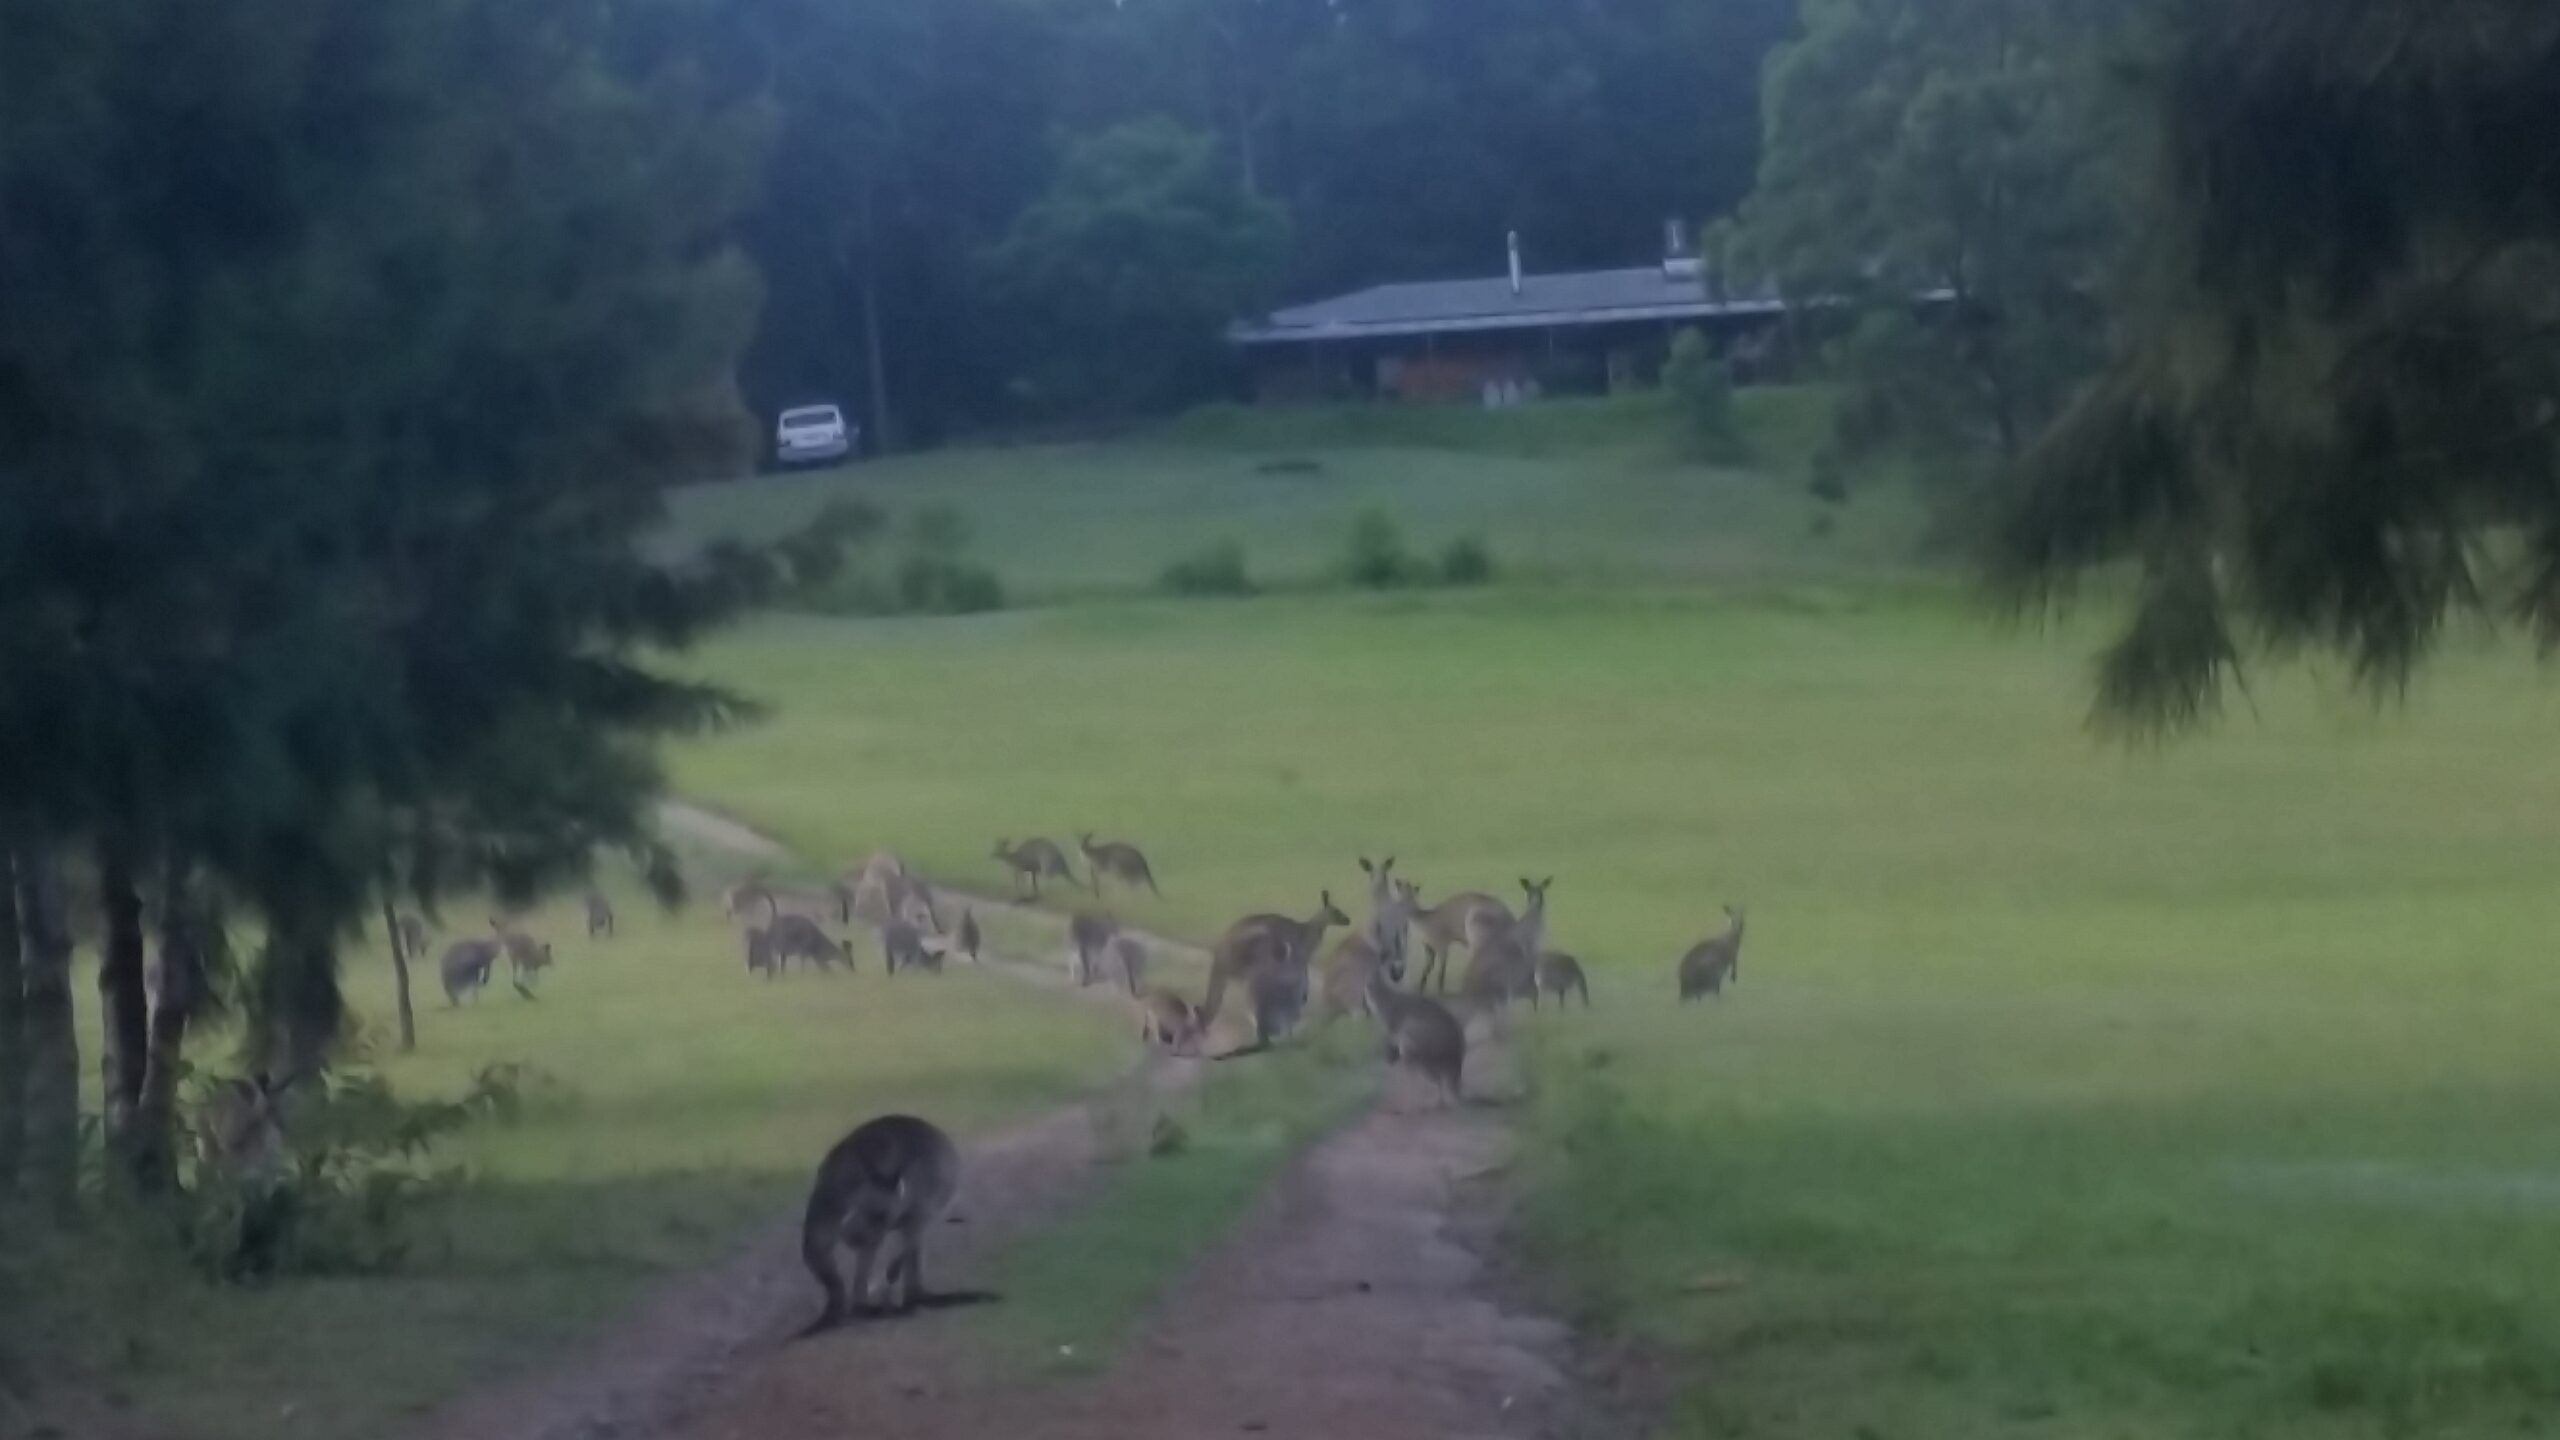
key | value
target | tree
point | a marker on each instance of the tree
(272, 616)
(1964, 148)
(1129, 269)
(2334, 419)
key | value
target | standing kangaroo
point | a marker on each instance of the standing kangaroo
(968, 939)
(599, 915)
(888, 1180)
(1089, 932)
(1267, 953)
(1560, 974)
(1034, 858)
(1421, 1034)
(1447, 924)
(466, 967)
(527, 957)
(1378, 945)
(1503, 963)
(1713, 961)
(1121, 862)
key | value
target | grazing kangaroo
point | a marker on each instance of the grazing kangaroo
(1447, 924)
(1261, 945)
(1377, 946)
(1421, 1034)
(797, 937)
(1089, 932)
(466, 967)
(1121, 862)
(599, 915)
(1503, 964)
(902, 947)
(1169, 1022)
(1713, 961)
(969, 933)
(888, 1180)
(1128, 955)
(1560, 974)
(413, 937)
(1035, 859)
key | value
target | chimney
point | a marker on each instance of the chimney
(1515, 264)
(1679, 263)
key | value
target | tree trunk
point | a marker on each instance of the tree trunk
(124, 1009)
(875, 350)
(400, 974)
(13, 1034)
(52, 1172)
(182, 985)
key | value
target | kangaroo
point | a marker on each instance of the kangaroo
(760, 959)
(1560, 974)
(969, 933)
(1445, 925)
(1504, 964)
(527, 957)
(1128, 955)
(884, 891)
(413, 937)
(466, 967)
(1034, 859)
(1089, 932)
(599, 915)
(1121, 862)
(902, 947)
(797, 937)
(1377, 946)
(1169, 1022)
(1421, 1034)
(887, 1180)
(1713, 961)
(240, 1130)
(1260, 944)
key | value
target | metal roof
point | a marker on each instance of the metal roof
(1440, 307)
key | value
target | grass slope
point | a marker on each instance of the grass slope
(2067, 1092)
(1587, 491)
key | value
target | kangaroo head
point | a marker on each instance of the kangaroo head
(1733, 918)
(1004, 849)
(1332, 914)
(1536, 891)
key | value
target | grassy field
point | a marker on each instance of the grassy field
(678, 1106)
(1583, 491)
(2068, 1092)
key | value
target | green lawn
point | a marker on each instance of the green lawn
(1586, 491)
(681, 1106)
(2067, 1092)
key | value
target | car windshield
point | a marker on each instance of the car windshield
(804, 419)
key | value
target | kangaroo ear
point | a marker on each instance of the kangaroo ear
(1366, 868)
(1390, 865)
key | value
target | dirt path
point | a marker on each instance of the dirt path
(1345, 1305)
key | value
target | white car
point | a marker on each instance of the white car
(810, 433)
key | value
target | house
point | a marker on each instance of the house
(1588, 331)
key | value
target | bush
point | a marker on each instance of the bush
(1830, 482)
(1218, 570)
(347, 1188)
(1376, 559)
(1466, 562)
(1701, 388)
(942, 585)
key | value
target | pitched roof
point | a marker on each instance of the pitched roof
(1581, 297)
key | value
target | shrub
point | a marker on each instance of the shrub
(1375, 558)
(350, 1183)
(1701, 388)
(931, 584)
(1218, 570)
(1465, 562)
(1830, 481)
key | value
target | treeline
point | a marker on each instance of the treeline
(984, 212)
(345, 349)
